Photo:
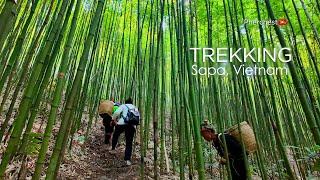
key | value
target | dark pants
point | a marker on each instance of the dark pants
(238, 169)
(129, 131)
(108, 129)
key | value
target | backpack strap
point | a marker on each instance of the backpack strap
(127, 112)
(221, 143)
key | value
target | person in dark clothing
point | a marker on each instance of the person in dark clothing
(105, 112)
(129, 131)
(108, 127)
(235, 151)
(121, 126)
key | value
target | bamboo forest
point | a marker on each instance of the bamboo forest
(195, 89)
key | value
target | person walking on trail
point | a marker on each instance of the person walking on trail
(106, 109)
(234, 149)
(126, 118)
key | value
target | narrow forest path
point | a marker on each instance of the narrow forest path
(92, 160)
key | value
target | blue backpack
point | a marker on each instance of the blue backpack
(133, 116)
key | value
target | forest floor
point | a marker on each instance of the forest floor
(92, 160)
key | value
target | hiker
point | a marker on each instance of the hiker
(126, 117)
(106, 109)
(235, 152)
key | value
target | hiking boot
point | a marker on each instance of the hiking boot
(128, 163)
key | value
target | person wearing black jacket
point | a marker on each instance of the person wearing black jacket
(234, 149)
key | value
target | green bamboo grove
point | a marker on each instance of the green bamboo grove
(58, 59)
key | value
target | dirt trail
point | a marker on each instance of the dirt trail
(95, 162)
